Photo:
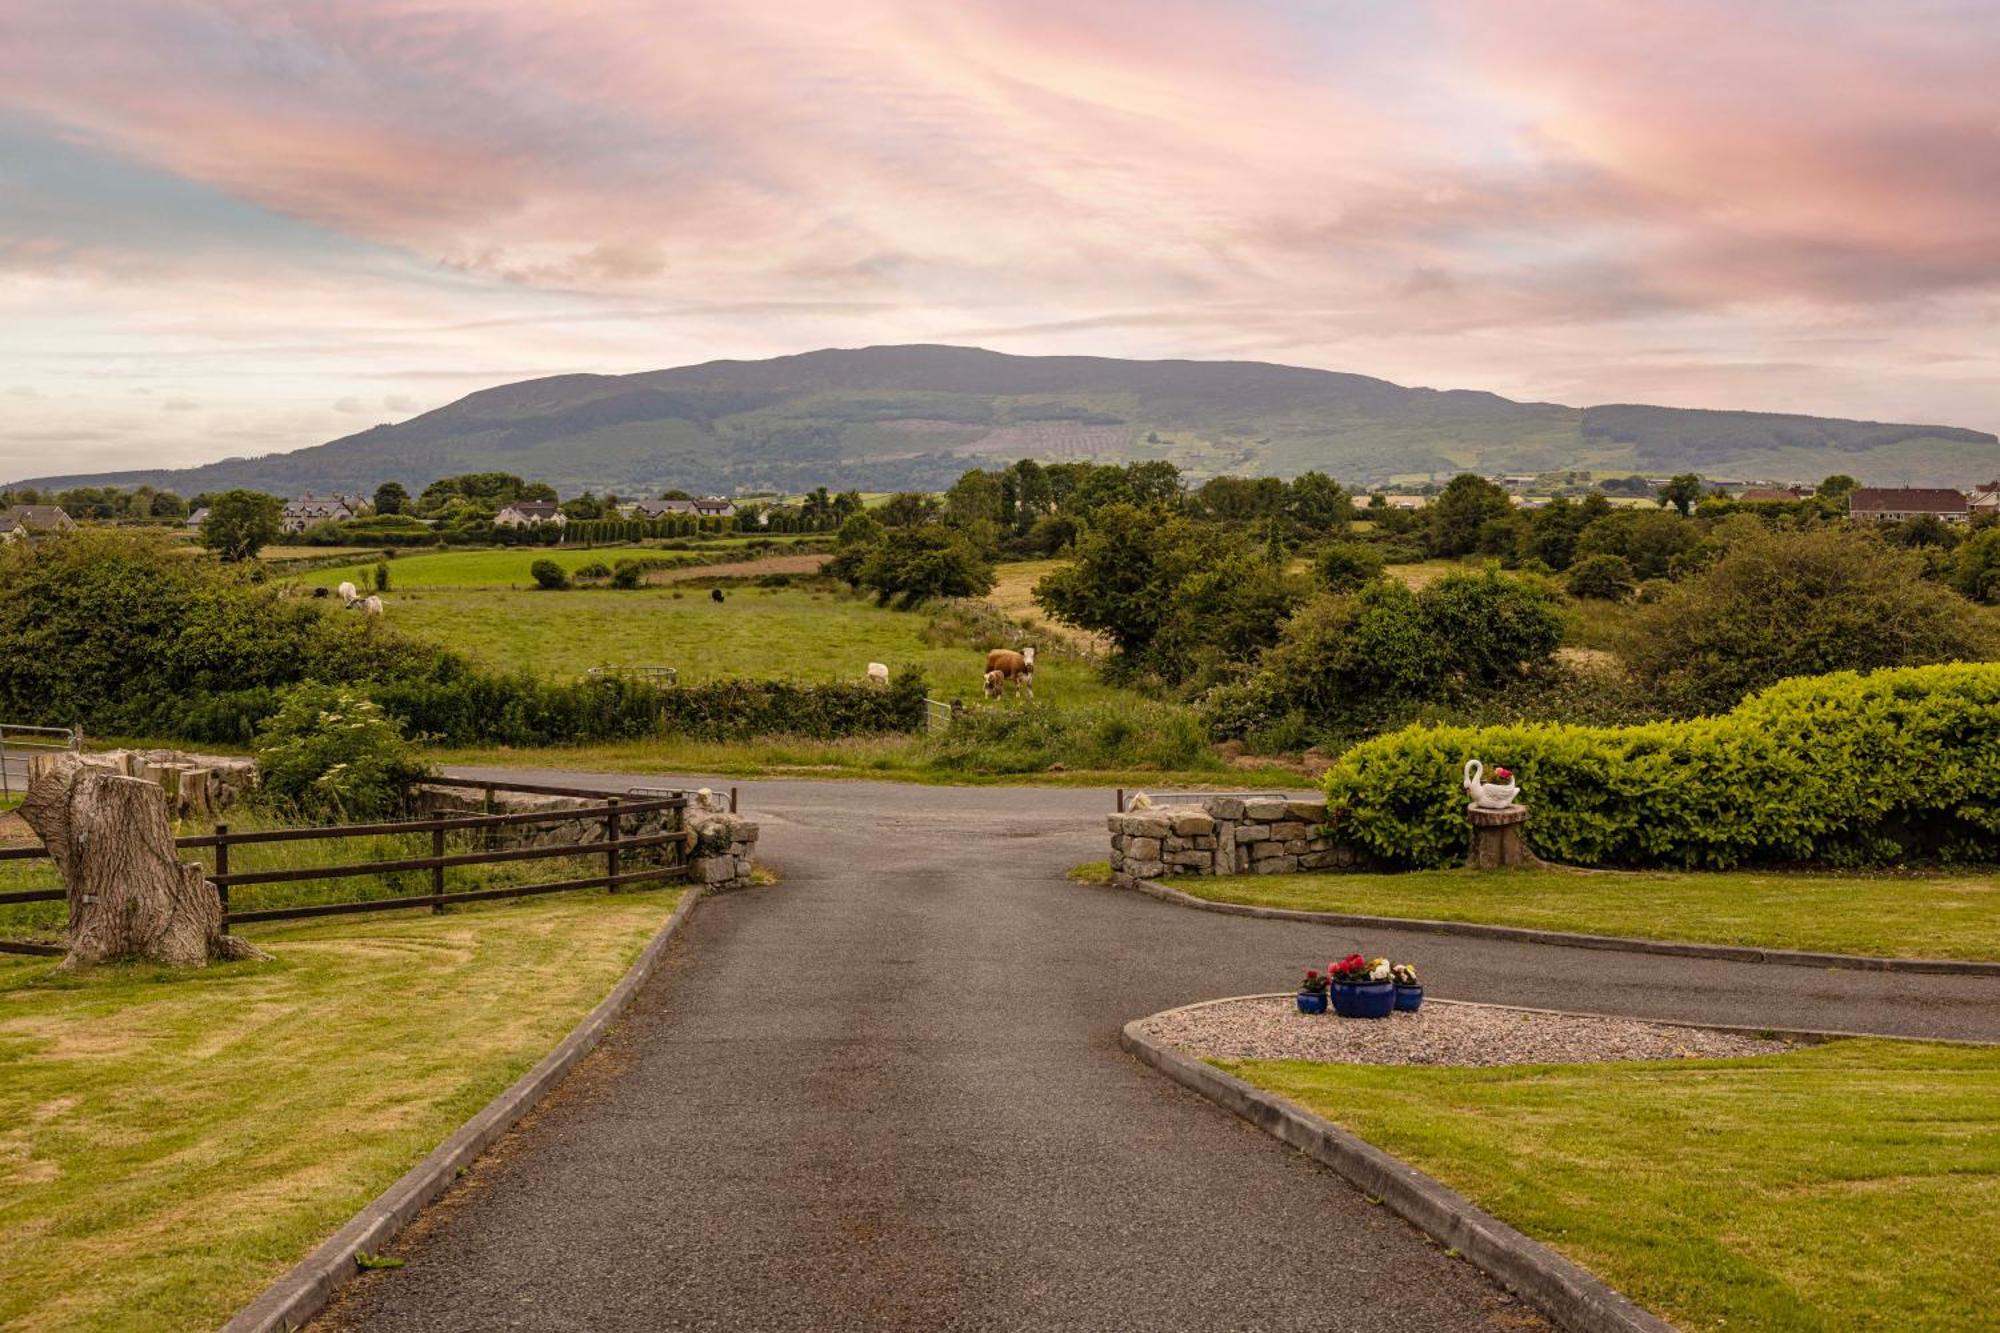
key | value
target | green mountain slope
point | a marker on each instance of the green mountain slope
(892, 417)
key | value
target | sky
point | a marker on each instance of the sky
(239, 227)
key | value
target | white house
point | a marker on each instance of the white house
(531, 514)
(310, 510)
(709, 506)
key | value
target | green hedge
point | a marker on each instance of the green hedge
(1845, 769)
(473, 708)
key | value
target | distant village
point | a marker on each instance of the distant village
(29, 516)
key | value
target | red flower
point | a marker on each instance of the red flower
(1503, 774)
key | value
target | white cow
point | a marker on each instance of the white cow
(349, 594)
(878, 673)
(372, 606)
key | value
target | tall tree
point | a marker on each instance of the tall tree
(1681, 492)
(241, 523)
(391, 498)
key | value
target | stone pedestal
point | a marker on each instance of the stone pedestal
(1499, 841)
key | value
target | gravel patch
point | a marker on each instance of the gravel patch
(1440, 1033)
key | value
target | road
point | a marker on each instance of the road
(887, 1094)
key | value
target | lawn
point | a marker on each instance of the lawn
(1854, 1185)
(170, 1143)
(1928, 915)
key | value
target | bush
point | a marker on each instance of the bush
(331, 755)
(1112, 735)
(1350, 665)
(596, 569)
(1347, 566)
(1606, 578)
(1782, 604)
(381, 576)
(627, 573)
(549, 575)
(1844, 769)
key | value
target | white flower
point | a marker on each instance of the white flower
(1380, 972)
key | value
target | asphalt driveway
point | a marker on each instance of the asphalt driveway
(887, 1094)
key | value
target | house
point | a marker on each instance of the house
(531, 514)
(1775, 494)
(1890, 504)
(709, 506)
(198, 517)
(309, 510)
(1983, 498)
(34, 522)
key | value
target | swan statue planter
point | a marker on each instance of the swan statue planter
(1489, 795)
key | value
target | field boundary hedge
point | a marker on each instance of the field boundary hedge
(1843, 769)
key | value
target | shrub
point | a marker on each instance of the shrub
(548, 575)
(1782, 604)
(1843, 769)
(1606, 578)
(1347, 566)
(1125, 733)
(1976, 566)
(627, 573)
(330, 754)
(596, 569)
(381, 576)
(1350, 665)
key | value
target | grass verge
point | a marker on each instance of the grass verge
(1854, 1185)
(1934, 915)
(181, 1139)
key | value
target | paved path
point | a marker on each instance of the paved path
(887, 1094)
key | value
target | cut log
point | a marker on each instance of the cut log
(131, 899)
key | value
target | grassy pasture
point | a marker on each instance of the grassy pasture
(1854, 1185)
(809, 634)
(1928, 915)
(180, 1139)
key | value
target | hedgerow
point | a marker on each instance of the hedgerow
(1844, 769)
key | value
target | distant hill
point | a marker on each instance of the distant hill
(883, 418)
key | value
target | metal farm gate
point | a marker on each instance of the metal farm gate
(19, 744)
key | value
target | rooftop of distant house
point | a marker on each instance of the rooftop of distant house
(1905, 500)
(35, 518)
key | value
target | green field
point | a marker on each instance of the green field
(1933, 915)
(809, 634)
(486, 568)
(170, 1142)
(1853, 1186)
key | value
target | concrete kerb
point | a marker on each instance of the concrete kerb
(1571, 940)
(1561, 1290)
(302, 1293)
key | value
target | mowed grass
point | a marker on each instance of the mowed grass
(1927, 915)
(170, 1142)
(802, 633)
(1852, 1186)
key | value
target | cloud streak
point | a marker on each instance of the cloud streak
(1536, 198)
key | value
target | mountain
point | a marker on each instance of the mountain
(883, 418)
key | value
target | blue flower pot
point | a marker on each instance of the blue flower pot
(1364, 999)
(1312, 1002)
(1409, 997)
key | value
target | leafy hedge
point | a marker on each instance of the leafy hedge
(474, 708)
(1844, 769)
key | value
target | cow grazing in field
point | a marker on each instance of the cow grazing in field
(715, 594)
(878, 673)
(349, 594)
(372, 606)
(1004, 665)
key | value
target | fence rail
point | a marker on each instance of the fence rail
(939, 715)
(614, 847)
(19, 744)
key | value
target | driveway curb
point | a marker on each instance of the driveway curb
(1952, 967)
(302, 1293)
(1561, 1290)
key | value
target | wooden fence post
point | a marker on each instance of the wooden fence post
(222, 867)
(437, 872)
(611, 835)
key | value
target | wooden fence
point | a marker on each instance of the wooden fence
(614, 847)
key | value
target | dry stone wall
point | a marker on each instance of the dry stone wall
(1227, 835)
(722, 856)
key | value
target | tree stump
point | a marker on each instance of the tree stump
(130, 896)
(1499, 841)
